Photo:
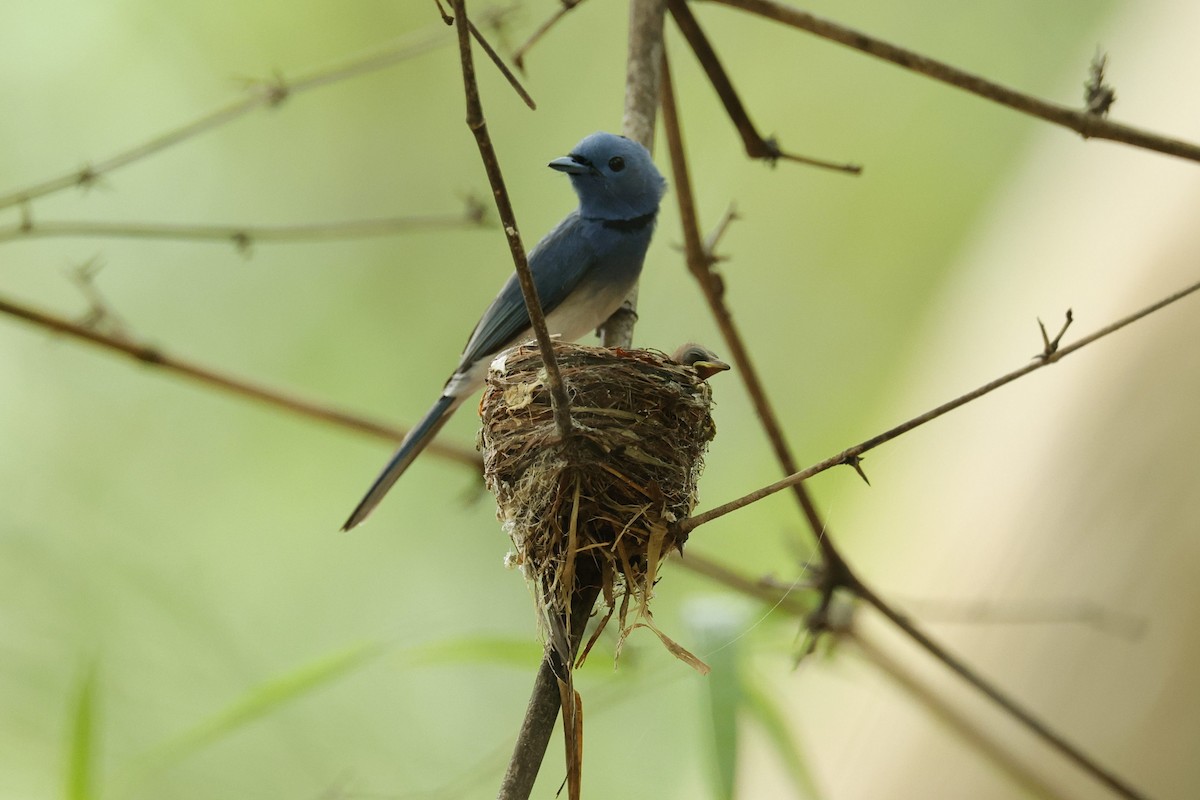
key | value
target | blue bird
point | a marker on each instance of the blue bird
(583, 270)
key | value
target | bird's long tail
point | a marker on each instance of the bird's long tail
(421, 435)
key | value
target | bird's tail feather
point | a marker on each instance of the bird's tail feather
(416, 440)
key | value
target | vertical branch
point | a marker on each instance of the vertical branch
(642, 78)
(643, 74)
(508, 221)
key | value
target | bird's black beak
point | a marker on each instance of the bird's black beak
(570, 165)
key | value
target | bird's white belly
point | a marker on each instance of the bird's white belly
(582, 312)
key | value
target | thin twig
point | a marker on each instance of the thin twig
(519, 54)
(244, 237)
(508, 222)
(216, 379)
(757, 145)
(258, 94)
(1084, 122)
(493, 55)
(837, 572)
(544, 703)
(993, 693)
(700, 265)
(778, 598)
(1042, 360)
(642, 76)
(966, 728)
(500, 65)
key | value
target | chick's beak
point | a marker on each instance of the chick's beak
(706, 369)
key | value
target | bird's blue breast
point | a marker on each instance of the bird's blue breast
(582, 269)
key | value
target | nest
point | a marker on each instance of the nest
(599, 508)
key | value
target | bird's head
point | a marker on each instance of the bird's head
(613, 176)
(699, 358)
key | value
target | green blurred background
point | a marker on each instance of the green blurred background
(170, 555)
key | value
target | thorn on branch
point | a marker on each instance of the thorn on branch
(714, 238)
(99, 315)
(26, 223)
(855, 463)
(242, 242)
(1050, 346)
(476, 211)
(87, 177)
(276, 90)
(1098, 95)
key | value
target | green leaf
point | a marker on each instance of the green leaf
(773, 722)
(718, 624)
(724, 700)
(523, 653)
(257, 703)
(81, 745)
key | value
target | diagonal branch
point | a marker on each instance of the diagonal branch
(154, 357)
(837, 572)
(262, 93)
(757, 146)
(700, 265)
(542, 29)
(1086, 123)
(494, 56)
(508, 221)
(1051, 355)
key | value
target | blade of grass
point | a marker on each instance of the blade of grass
(81, 744)
(259, 702)
(763, 710)
(717, 625)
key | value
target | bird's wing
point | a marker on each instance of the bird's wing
(558, 263)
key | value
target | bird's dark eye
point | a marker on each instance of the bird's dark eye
(616, 163)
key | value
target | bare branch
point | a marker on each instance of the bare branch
(493, 55)
(500, 65)
(519, 54)
(757, 146)
(243, 237)
(1042, 360)
(1086, 123)
(642, 77)
(700, 265)
(1008, 704)
(508, 221)
(154, 357)
(258, 94)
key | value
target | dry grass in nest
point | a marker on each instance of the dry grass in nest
(598, 508)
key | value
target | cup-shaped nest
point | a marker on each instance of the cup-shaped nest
(595, 509)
